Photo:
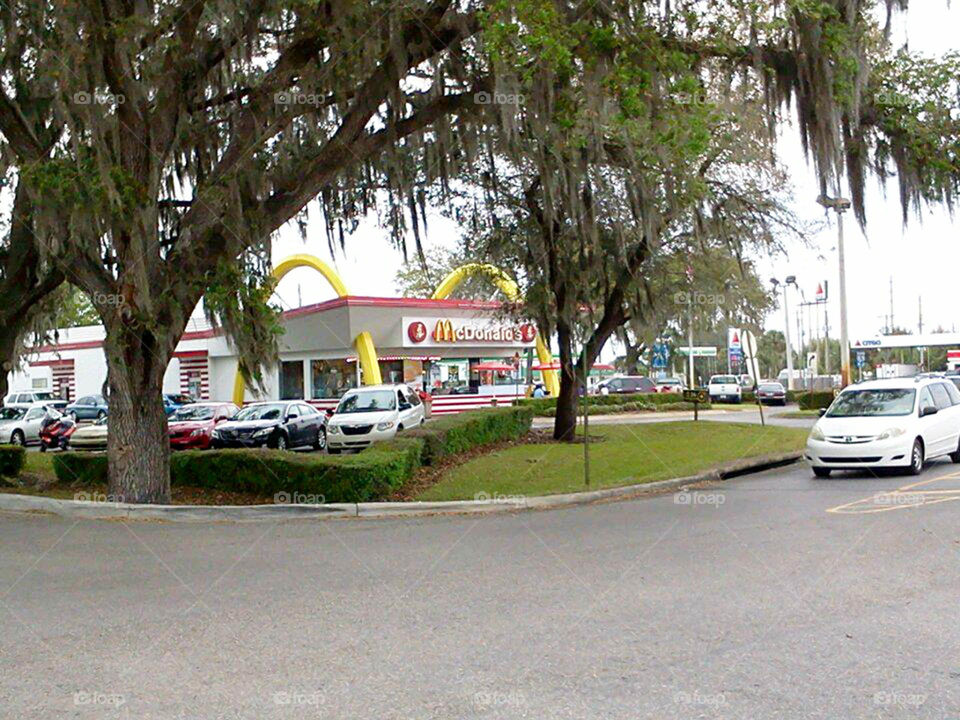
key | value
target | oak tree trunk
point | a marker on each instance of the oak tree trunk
(138, 446)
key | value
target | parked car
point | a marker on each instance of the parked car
(626, 384)
(172, 401)
(899, 422)
(724, 388)
(21, 426)
(191, 426)
(670, 385)
(88, 407)
(772, 393)
(27, 398)
(90, 437)
(369, 414)
(281, 425)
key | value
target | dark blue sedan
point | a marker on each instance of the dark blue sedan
(88, 407)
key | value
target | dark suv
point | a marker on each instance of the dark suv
(627, 384)
(281, 425)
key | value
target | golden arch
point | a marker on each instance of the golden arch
(509, 288)
(363, 342)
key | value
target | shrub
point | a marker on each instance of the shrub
(370, 475)
(80, 467)
(815, 399)
(467, 430)
(12, 458)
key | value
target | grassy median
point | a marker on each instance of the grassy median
(621, 455)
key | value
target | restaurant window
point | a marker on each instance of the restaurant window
(391, 371)
(331, 378)
(291, 380)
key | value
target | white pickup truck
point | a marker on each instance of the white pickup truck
(724, 388)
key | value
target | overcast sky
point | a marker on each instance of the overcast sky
(922, 258)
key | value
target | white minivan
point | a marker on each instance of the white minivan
(899, 422)
(371, 413)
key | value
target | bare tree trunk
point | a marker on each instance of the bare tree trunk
(138, 447)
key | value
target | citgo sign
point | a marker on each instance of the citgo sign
(420, 332)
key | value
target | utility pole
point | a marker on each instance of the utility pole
(791, 383)
(826, 344)
(840, 205)
(891, 305)
(693, 383)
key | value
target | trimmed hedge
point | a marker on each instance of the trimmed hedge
(12, 459)
(370, 475)
(815, 400)
(338, 478)
(467, 430)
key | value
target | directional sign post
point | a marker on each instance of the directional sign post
(696, 397)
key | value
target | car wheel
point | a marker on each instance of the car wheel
(17, 438)
(955, 455)
(73, 416)
(604, 391)
(43, 446)
(281, 442)
(916, 458)
(321, 441)
(821, 472)
(101, 415)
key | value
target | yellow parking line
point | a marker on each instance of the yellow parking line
(888, 498)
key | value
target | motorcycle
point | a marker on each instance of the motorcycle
(56, 433)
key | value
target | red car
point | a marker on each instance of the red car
(191, 426)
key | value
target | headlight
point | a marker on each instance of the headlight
(198, 431)
(333, 429)
(385, 425)
(891, 433)
(816, 433)
(263, 433)
(215, 433)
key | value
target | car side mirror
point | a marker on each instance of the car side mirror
(928, 410)
(821, 412)
(328, 412)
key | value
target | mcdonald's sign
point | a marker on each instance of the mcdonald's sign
(420, 332)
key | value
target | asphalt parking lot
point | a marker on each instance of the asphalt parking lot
(773, 595)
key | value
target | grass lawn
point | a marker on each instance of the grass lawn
(627, 454)
(799, 414)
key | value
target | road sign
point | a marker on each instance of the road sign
(861, 358)
(699, 351)
(695, 396)
(661, 355)
(821, 294)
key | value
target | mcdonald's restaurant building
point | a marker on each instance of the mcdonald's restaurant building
(466, 353)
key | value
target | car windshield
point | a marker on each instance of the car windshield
(11, 413)
(194, 412)
(45, 396)
(771, 388)
(724, 379)
(368, 402)
(261, 412)
(669, 381)
(871, 403)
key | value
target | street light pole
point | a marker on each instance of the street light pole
(840, 205)
(791, 384)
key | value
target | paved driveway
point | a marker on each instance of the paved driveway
(744, 600)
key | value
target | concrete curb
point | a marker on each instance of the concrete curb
(81, 509)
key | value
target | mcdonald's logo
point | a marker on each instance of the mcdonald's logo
(443, 331)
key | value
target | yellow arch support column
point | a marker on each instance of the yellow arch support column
(367, 354)
(363, 343)
(509, 288)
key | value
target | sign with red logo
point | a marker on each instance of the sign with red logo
(488, 332)
(417, 331)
